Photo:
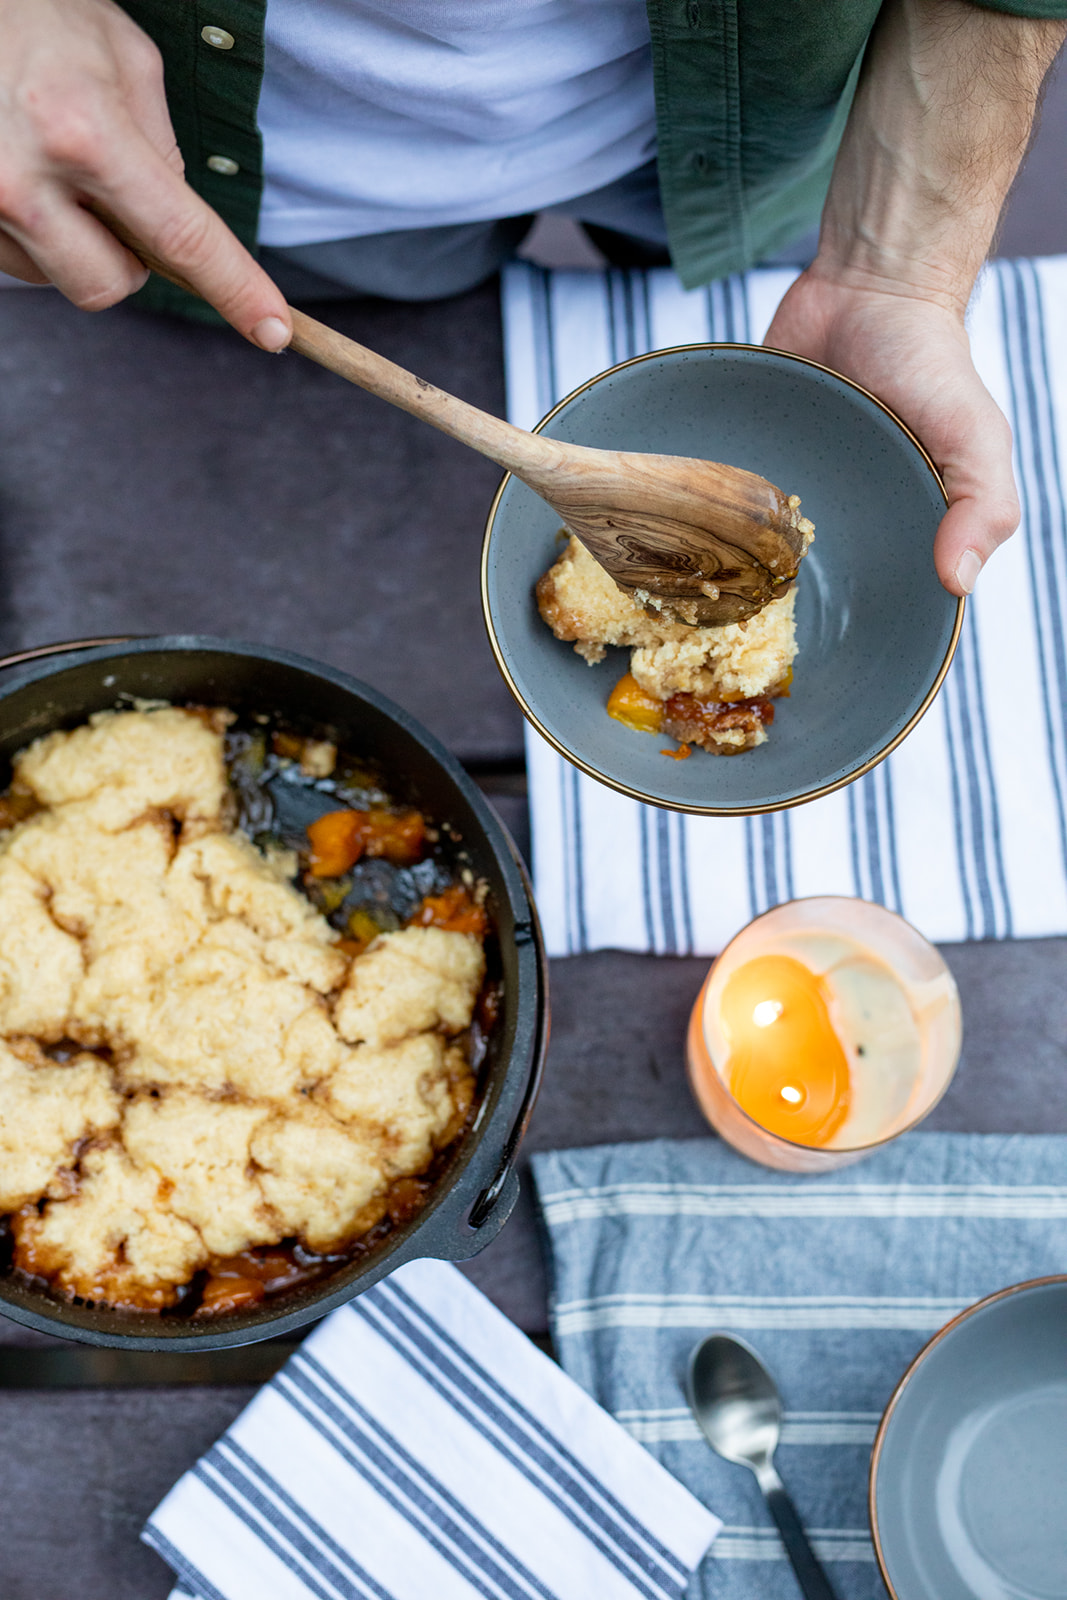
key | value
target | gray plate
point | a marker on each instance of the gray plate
(969, 1472)
(876, 630)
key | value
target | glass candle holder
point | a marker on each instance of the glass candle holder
(825, 1028)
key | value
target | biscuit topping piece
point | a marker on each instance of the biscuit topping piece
(408, 982)
(680, 668)
(202, 1150)
(123, 764)
(45, 1110)
(115, 1240)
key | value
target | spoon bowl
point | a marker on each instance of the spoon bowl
(735, 1402)
(737, 1406)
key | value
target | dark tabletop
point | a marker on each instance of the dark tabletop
(160, 477)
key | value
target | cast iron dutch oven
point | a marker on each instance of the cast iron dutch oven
(474, 1196)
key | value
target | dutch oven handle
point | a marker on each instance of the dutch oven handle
(497, 1200)
(463, 1226)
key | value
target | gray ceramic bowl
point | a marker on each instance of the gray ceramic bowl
(968, 1491)
(875, 628)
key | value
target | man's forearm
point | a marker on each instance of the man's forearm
(940, 123)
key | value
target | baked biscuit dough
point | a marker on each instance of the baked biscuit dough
(232, 879)
(41, 965)
(222, 1021)
(320, 1179)
(581, 603)
(45, 1109)
(408, 982)
(115, 1239)
(258, 1082)
(110, 892)
(730, 663)
(202, 1149)
(121, 765)
(401, 1088)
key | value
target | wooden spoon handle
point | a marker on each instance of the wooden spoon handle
(508, 446)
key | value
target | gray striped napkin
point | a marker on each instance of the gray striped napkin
(963, 830)
(419, 1447)
(837, 1282)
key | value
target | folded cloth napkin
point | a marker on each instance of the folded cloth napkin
(837, 1282)
(419, 1447)
(964, 828)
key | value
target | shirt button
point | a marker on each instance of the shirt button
(218, 38)
(224, 164)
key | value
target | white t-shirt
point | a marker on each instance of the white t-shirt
(386, 114)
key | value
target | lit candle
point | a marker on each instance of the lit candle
(825, 1028)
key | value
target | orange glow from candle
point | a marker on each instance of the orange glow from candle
(787, 1067)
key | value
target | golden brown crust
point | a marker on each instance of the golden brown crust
(115, 1240)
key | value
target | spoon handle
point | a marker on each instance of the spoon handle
(810, 1575)
(521, 452)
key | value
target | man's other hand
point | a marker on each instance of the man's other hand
(84, 122)
(914, 355)
(942, 114)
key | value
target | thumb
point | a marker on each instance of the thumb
(983, 506)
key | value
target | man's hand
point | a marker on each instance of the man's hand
(941, 119)
(915, 356)
(84, 121)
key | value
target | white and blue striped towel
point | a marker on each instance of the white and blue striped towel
(837, 1282)
(963, 829)
(419, 1447)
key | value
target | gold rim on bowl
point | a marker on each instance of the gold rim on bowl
(887, 1414)
(683, 805)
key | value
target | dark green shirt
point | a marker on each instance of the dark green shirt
(751, 101)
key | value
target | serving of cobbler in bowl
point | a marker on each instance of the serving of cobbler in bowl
(269, 1020)
(806, 694)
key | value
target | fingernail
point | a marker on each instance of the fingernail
(967, 569)
(271, 334)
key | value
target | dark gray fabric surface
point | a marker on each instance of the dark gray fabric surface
(1035, 218)
(81, 1472)
(155, 476)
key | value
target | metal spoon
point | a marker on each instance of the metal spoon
(736, 1403)
(705, 542)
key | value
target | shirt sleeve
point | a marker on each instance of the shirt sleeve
(1038, 10)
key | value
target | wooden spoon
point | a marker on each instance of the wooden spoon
(705, 543)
